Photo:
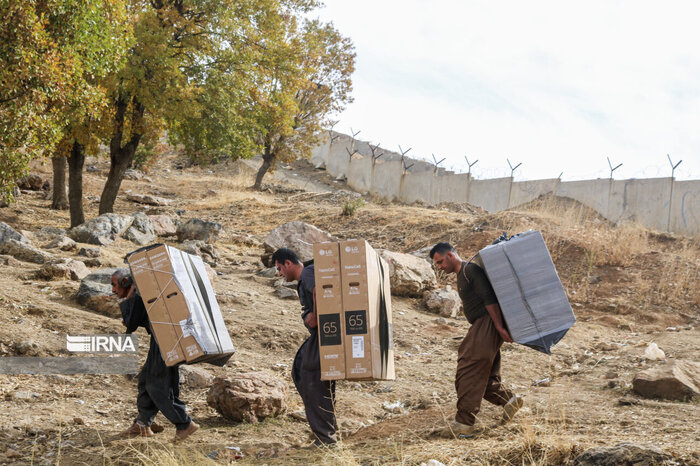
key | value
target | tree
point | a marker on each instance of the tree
(311, 81)
(51, 52)
(178, 47)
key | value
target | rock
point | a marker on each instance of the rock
(25, 347)
(443, 302)
(148, 199)
(283, 292)
(63, 269)
(25, 395)
(396, 407)
(653, 352)
(246, 240)
(141, 230)
(269, 272)
(433, 463)
(102, 230)
(163, 225)
(92, 262)
(678, 380)
(50, 233)
(195, 377)
(63, 243)
(8, 233)
(90, 252)
(95, 293)
(624, 454)
(24, 251)
(199, 248)
(12, 453)
(200, 230)
(249, 397)
(131, 174)
(10, 261)
(31, 182)
(410, 275)
(298, 236)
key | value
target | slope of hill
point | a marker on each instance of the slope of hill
(628, 286)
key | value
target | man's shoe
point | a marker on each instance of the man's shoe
(157, 428)
(137, 430)
(512, 407)
(181, 435)
(457, 429)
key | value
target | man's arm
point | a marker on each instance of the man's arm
(494, 311)
(133, 311)
(310, 318)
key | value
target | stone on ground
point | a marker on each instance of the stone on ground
(95, 293)
(677, 380)
(7, 233)
(298, 236)
(141, 230)
(198, 229)
(102, 230)
(624, 454)
(24, 251)
(410, 275)
(249, 397)
(64, 269)
(444, 302)
(163, 225)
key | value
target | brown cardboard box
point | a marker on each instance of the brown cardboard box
(366, 299)
(329, 310)
(181, 304)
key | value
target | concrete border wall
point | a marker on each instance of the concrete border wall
(659, 203)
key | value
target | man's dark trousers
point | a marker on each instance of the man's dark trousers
(159, 390)
(318, 396)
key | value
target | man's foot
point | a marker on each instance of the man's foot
(512, 407)
(137, 430)
(157, 428)
(457, 429)
(181, 435)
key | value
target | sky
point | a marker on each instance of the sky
(560, 87)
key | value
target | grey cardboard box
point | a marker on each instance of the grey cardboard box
(530, 294)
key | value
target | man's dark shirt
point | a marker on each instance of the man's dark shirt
(134, 314)
(475, 290)
(305, 288)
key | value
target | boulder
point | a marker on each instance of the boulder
(131, 174)
(298, 236)
(95, 293)
(90, 252)
(102, 230)
(31, 182)
(148, 199)
(63, 243)
(195, 377)
(249, 397)
(199, 248)
(24, 251)
(444, 302)
(9, 260)
(624, 454)
(283, 292)
(7, 233)
(410, 275)
(64, 269)
(198, 229)
(677, 380)
(163, 225)
(141, 230)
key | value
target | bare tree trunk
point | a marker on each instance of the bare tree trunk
(59, 199)
(120, 156)
(76, 161)
(268, 158)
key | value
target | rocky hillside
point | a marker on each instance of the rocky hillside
(629, 287)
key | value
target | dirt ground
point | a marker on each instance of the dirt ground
(628, 287)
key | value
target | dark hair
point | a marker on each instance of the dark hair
(285, 254)
(441, 248)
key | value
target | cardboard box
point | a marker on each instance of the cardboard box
(181, 304)
(366, 300)
(530, 294)
(329, 310)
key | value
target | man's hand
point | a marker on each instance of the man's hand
(504, 334)
(311, 320)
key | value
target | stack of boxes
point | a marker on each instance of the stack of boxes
(353, 303)
(181, 304)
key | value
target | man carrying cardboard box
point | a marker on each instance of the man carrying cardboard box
(479, 356)
(158, 385)
(318, 396)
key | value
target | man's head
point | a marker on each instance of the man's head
(121, 282)
(288, 264)
(445, 257)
